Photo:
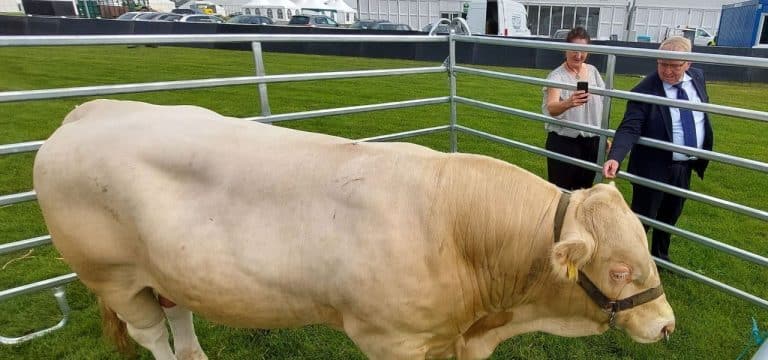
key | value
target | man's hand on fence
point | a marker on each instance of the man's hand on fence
(610, 168)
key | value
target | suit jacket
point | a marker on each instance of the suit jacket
(654, 121)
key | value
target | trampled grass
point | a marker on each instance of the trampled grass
(710, 324)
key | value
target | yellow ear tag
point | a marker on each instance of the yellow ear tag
(572, 272)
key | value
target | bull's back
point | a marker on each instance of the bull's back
(194, 203)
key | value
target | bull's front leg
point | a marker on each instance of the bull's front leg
(486, 334)
(379, 343)
(184, 339)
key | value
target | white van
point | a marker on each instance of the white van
(497, 17)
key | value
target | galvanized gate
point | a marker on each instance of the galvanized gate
(452, 123)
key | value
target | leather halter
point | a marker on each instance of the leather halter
(608, 305)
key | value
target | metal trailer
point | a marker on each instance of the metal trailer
(744, 24)
(452, 124)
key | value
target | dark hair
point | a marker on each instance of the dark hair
(578, 33)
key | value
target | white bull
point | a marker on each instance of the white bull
(167, 210)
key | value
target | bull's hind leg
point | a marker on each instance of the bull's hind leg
(184, 338)
(145, 320)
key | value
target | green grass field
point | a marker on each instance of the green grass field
(710, 324)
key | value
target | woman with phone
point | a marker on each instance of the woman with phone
(574, 106)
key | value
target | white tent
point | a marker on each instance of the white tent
(345, 14)
(280, 11)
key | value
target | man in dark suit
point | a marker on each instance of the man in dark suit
(677, 80)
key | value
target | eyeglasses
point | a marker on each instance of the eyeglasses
(673, 65)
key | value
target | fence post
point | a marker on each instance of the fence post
(610, 69)
(452, 77)
(259, 62)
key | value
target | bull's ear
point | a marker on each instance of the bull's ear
(573, 252)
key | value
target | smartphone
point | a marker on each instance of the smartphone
(583, 86)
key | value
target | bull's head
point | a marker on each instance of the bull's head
(602, 247)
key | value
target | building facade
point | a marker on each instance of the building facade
(602, 18)
(416, 13)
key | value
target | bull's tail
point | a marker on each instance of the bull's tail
(115, 330)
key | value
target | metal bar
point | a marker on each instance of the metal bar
(259, 63)
(705, 154)
(24, 244)
(16, 148)
(703, 107)
(621, 51)
(37, 286)
(61, 300)
(17, 198)
(605, 122)
(452, 80)
(713, 283)
(530, 148)
(204, 83)
(7, 149)
(532, 116)
(349, 110)
(628, 95)
(48, 40)
(406, 134)
(711, 200)
(740, 253)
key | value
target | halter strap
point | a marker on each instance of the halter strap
(606, 304)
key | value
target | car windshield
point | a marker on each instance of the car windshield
(299, 20)
(169, 17)
(148, 16)
(127, 16)
(367, 24)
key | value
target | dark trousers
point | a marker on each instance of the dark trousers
(661, 206)
(567, 176)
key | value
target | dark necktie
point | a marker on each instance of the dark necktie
(686, 118)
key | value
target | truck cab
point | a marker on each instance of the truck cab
(497, 17)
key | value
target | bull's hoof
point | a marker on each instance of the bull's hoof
(191, 355)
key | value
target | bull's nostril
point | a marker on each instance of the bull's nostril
(668, 329)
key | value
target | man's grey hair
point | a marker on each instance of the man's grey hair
(676, 43)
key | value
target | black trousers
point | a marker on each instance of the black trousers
(567, 176)
(661, 206)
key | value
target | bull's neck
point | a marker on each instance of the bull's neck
(503, 227)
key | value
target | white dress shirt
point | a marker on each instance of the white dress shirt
(677, 125)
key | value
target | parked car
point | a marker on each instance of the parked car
(148, 16)
(250, 19)
(200, 18)
(186, 11)
(703, 36)
(367, 24)
(442, 29)
(561, 34)
(169, 17)
(393, 27)
(129, 15)
(312, 20)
